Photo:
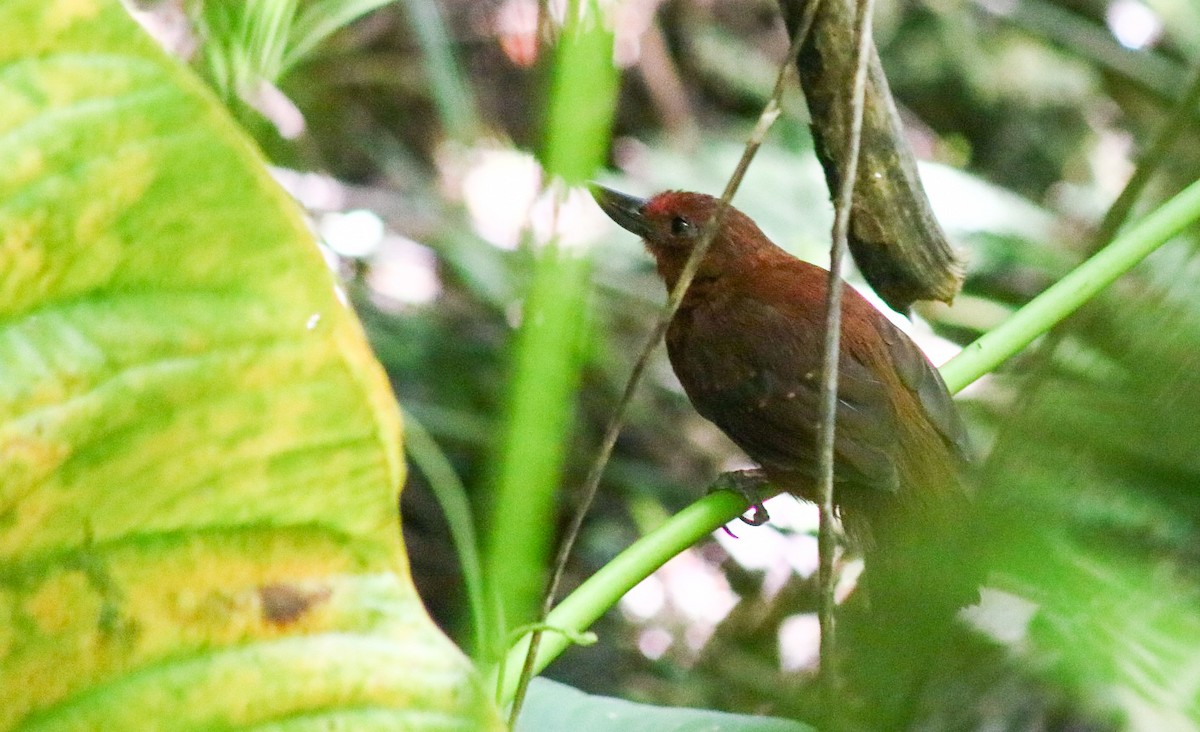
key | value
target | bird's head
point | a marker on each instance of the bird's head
(672, 223)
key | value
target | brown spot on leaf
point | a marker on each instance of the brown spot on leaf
(283, 604)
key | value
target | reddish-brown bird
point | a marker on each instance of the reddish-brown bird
(746, 343)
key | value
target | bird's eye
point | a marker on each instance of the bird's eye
(680, 226)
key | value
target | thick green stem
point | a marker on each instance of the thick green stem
(602, 590)
(1072, 291)
(547, 362)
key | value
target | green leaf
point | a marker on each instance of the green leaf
(447, 85)
(199, 457)
(553, 706)
(583, 96)
(321, 19)
(1090, 496)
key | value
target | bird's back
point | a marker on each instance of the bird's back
(747, 347)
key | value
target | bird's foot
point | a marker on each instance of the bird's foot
(745, 483)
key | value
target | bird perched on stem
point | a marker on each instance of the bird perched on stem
(746, 344)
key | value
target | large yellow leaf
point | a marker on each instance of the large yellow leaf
(199, 457)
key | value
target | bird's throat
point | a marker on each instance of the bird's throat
(670, 269)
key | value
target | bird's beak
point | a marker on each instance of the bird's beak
(624, 209)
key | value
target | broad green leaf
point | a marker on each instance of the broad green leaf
(199, 457)
(553, 706)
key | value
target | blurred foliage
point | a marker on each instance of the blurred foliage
(1034, 114)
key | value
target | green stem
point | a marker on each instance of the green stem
(450, 92)
(602, 590)
(579, 119)
(546, 366)
(1068, 294)
(451, 495)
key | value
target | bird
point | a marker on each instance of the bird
(746, 344)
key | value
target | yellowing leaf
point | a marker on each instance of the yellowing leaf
(199, 456)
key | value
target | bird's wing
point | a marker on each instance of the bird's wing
(754, 370)
(926, 385)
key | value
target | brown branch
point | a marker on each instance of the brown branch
(826, 539)
(893, 236)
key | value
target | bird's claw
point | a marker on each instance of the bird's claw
(745, 483)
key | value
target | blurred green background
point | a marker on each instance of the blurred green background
(508, 313)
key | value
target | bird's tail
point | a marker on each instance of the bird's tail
(895, 631)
